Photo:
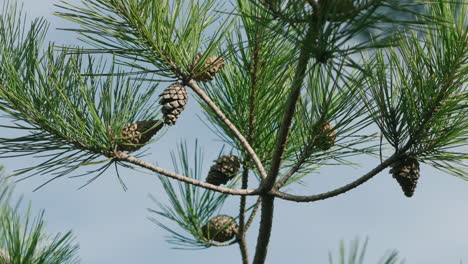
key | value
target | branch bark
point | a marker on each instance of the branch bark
(254, 72)
(242, 241)
(194, 86)
(302, 158)
(398, 152)
(254, 212)
(121, 156)
(336, 192)
(241, 233)
(265, 230)
(267, 185)
(288, 114)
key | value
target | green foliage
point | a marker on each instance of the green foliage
(23, 239)
(165, 34)
(190, 207)
(253, 87)
(356, 254)
(417, 91)
(70, 116)
(330, 98)
(339, 35)
(256, 74)
(292, 70)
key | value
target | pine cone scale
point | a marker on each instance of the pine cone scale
(407, 172)
(212, 66)
(221, 228)
(173, 101)
(224, 169)
(326, 138)
(135, 135)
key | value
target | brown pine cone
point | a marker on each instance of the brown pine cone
(135, 135)
(224, 169)
(327, 137)
(220, 228)
(406, 171)
(209, 69)
(173, 101)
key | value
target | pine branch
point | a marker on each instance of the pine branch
(142, 33)
(190, 207)
(325, 125)
(254, 68)
(267, 184)
(241, 231)
(341, 190)
(264, 232)
(356, 253)
(305, 153)
(23, 239)
(121, 156)
(238, 86)
(253, 213)
(305, 48)
(192, 84)
(418, 92)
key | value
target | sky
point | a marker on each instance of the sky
(111, 225)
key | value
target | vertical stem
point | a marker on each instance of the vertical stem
(243, 249)
(254, 72)
(304, 56)
(241, 233)
(265, 230)
(268, 201)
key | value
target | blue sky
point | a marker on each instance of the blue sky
(111, 225)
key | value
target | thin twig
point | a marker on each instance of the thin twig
(194, 86)
(245, 176)
(254, 212)
(278, 15)
(336, 192)
(242, 241)
(291, 172)
(221, 244)
(121, 156)
(302, 158)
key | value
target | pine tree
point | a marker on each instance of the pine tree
(290, 86)
(23, 239)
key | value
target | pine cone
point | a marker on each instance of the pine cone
(224, 169)
(327, 137)
(406, 171)
(209, 69)
(135, 135)
(220, 228)
(173, 101)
